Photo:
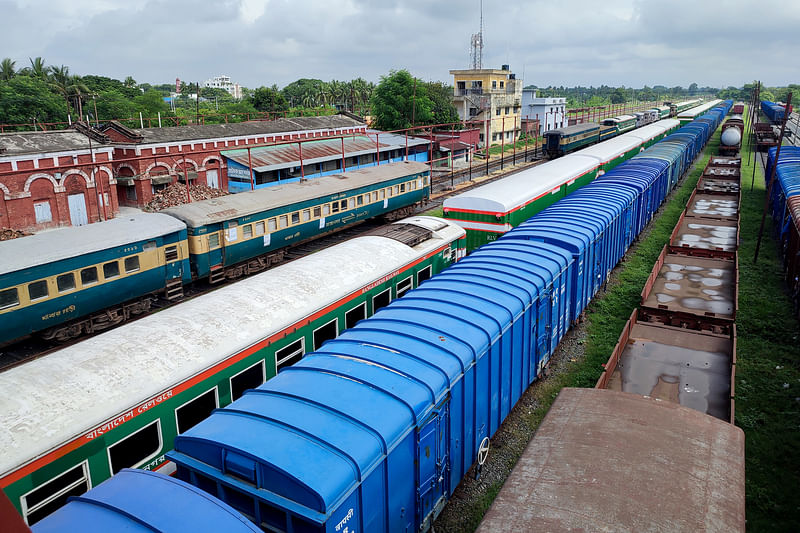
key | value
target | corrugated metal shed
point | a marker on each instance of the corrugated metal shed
(281, 156)
(610, 461)
(137, 501)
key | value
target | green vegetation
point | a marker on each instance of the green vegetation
(591, 96)
(767, 372)
(39, 95)
(401, 101)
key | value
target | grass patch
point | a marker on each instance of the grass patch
(435, 212)
(767, 372)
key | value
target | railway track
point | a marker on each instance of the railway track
(442, 186)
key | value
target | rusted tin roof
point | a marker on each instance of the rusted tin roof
(612, 461)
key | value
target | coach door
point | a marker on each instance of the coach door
(541, 333)
(433, 464)
(77, 209)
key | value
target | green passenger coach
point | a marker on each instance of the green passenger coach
(489, 211)
(117, 400)
(247, 232)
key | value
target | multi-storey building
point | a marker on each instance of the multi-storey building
(224, 82)
(550, 112)
(490, 99)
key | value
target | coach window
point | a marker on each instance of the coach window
(381, 300)
(88, 276)
(136, 448)
(196, 410)
(296, 217)
(423, 275)
(131, 264)
(326, 332)
(249, 378)
(260, 228)
(335, 207)
(402, 187)
(111, 270)
(283, 221)
(49, 496)
(351, 203)
(289, 354)
(403, 287)
(65, 282)
(272, 224)
(306, 215)
(361, 199)
(317, 212)
(389, 192)
(326, 209)
(213, 240)
(247, 231)
(383, 193)
(355, 314)
(37, 289)
(374, 196)
(9, 298)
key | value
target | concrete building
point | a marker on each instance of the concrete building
(224, 82)
(491, 99)
(550, 112)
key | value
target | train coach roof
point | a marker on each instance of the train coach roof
(572, 130)
(137, 501)
(56, 245)
(215, 210)
(519, 189)
(605, 151)
(699, 110)
(52, 399)
(612, 461)
(645, 133)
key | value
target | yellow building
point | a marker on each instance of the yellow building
(491, 99)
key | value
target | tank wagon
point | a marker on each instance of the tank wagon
(732, 134)
(75, 281)
(785, 210)
(110, 507)
(436, 373)
(489, 211)
(132, 389)
(418, 387)
(595, 450)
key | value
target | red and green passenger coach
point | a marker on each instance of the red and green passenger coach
(117, 400)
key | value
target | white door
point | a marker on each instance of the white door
(212, 178)
(77, 209)
(42, 212)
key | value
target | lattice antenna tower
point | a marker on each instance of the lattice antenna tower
(476, 55)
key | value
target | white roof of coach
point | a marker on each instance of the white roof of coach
(645, 133)
(518, 189)
(51, 400)
(699, 110)
(607, 150)
(56, 245)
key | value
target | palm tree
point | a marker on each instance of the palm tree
(7, 69)
(70, 87)
(38, 68)
(129, 82)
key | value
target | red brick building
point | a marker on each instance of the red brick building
(51, 179)
(60, 178)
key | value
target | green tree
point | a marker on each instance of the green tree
(269, 99)
(70, 87)
(441, 96)
(150, 104)
(693, 89)
(114, 105)
(7, 69)
(396, 103)
(38, 69)
(618, 96)
(25, 99)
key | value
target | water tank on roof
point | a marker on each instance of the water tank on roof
(731, 137)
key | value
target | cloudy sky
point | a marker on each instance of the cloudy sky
(261, 42)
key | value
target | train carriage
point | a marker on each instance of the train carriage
(129, 391)
(561, 141)
(50, 279)
(652, 133)
(489, 211)
(247, 232)
(621, 123)
(688, 115)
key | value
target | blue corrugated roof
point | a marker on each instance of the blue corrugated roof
(140, 501)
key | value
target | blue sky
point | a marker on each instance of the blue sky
(261, 42)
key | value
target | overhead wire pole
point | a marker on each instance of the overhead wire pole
(772, 174)
(755, 118)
